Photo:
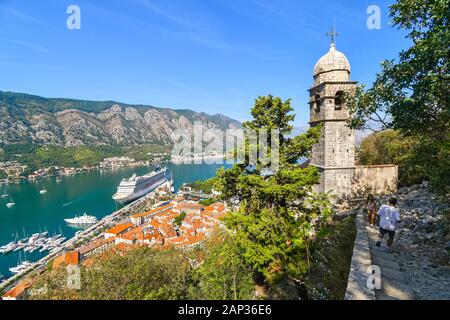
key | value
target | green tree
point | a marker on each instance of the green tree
(272, 113)
(274, 227)
(3, 174)
(206, 186)
(141, 274)
(179, 219)
(412, 94)
(223, 275)
(207, 202)
(390, 147)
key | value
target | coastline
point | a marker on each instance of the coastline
(43, 173)
(72, 172)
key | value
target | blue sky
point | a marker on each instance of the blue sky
(214, 56)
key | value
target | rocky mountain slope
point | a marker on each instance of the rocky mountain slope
(67, 122)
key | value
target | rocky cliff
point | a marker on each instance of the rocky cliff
(67, 122)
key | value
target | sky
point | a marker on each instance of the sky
(213, 56)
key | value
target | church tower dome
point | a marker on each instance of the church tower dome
(332, 66)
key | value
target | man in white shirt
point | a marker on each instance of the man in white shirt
(389, 217)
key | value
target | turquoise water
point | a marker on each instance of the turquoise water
(87, 192)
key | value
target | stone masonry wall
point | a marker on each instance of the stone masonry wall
(339, 145)
(357, 288)
(338, 181)
(379, 179)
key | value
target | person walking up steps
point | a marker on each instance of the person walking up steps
(371, 208)
(389, 217)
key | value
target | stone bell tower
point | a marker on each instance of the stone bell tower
(334, 155)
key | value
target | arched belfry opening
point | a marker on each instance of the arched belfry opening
(317, 103)
(339, 100)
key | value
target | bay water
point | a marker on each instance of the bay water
(88, 192)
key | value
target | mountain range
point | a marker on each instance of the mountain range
(33, 119)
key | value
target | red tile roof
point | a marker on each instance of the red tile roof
(18, 290)
(188, 205)
(216, 207)
(119, 228)
(163, 208)
(67, 259)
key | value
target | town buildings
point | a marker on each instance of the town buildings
(155, 228)
(120, 162)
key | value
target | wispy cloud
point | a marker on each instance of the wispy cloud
(7, 11)
(184, 29)
(172, 17)
(271, 12)
(26, 44)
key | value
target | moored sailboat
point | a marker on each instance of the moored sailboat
(5, 193)
(10, 203)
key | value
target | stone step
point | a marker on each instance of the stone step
(379, 261)
(383, 247)
(373, 242)
(372, 237)
(380, 295)
(381, 254)
(393, 274)
(373, 231)
(381, 250)
(396, 289)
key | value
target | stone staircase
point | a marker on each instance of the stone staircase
(393, 281)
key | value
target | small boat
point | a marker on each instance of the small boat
(42, 189)
(21, 265)
(5, 193)
(10, 203)
(59, 241)
(8, 248)
(45, 248)
(19, 247)
(34, 248)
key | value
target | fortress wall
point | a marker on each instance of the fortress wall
(379, 179)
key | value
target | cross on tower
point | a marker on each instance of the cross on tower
(333, 34)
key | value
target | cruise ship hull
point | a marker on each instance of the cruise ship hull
(125, 199)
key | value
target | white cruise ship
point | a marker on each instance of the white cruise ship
(138, 186)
